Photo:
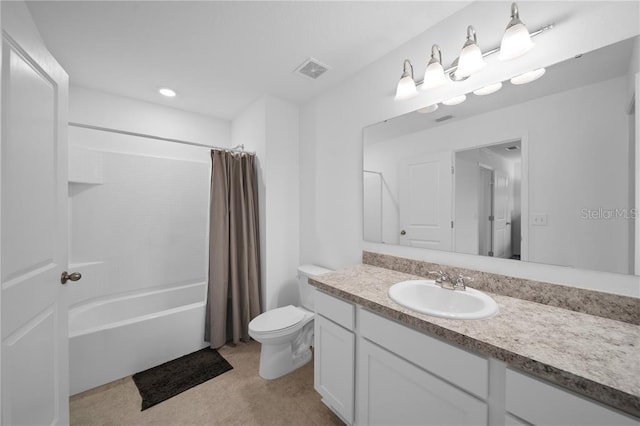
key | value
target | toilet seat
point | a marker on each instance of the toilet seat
(277, 319)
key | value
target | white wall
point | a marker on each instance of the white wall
(331, 128)
(96, 108)
(270, 128)
(139, 206)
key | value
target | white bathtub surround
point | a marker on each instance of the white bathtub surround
(118, 336)
(138, 234)
(138, 212)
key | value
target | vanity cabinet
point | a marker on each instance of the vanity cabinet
(541, 403)
(407, 377)
(393, 391)
(370, 369)
(334, 354)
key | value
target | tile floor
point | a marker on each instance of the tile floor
(237, 397)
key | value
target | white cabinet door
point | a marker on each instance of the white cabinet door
(392, 391)
(334, 366)
(34, 373)
(541, 403)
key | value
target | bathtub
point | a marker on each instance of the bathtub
(120, 336)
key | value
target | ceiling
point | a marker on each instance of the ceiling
(220, 56)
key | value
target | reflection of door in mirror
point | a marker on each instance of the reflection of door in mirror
(425, 201)
(372, 200)
(485, 208)
(487, 200)
(501, 215)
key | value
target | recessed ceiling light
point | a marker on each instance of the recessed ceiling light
(455, 100)
(487, 90)
(528, 77)
(165, 91)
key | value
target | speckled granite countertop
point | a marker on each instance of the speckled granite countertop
(593, 356)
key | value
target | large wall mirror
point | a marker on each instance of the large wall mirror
(541, 172)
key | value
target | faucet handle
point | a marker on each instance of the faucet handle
(440, 276)
(461, 282)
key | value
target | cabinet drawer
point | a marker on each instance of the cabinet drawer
(541, 403)
(456, 365)
(335, 309)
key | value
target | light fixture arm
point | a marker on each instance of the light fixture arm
(407, 69)
(515, 16)
(471, 32)
(435, 50)
(514, 11)
(451, 69)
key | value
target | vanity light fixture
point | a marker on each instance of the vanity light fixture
(470, 60)
(456, 100)
(434, 74)
(165, 91)
(428, 109)
(516, 40)
(406, 86)
(528, 77)
(487, 90)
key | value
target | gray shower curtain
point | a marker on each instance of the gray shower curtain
(233, 297)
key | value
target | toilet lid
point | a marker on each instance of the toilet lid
(277, 319)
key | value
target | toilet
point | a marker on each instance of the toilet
(286, 333)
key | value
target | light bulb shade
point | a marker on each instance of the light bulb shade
(455, 100)
(470, 61)
(406, 89)
(515, 42)
(487, 90)
(428, 109)
(165, 91)
(433, 76)
(528, 77)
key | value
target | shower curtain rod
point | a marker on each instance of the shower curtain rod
(160, 138)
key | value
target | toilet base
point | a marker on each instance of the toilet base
(278, 360)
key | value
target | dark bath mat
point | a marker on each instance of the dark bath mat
(167, 380)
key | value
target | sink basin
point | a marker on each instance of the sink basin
(426, 297)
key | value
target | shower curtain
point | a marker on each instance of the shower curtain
(233, 297)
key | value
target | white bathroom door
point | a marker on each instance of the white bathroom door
(33, 232)
(501, 216)
(425, 201)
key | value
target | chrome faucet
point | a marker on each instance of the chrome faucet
(445, 280)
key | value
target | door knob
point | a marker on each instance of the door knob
(74, 276)
(403, 232)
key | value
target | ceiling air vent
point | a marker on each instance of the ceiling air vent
(312, 68)
(444, 118)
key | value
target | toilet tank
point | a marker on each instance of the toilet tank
(306, 291)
